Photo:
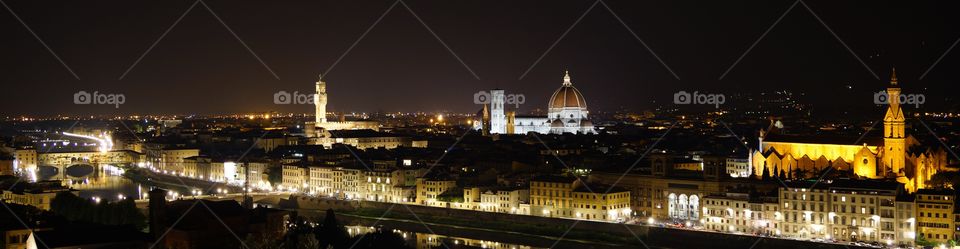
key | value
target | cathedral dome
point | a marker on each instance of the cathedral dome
(567, 96)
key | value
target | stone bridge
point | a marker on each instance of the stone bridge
(62, 165)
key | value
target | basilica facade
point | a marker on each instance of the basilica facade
(566, 113)
(894, 155)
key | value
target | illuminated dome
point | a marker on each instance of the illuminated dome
(567, 96)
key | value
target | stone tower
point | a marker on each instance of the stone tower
(320, 101)
(498, 118)
(894, 139)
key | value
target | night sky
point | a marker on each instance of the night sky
(199, 67)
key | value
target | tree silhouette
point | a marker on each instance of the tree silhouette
(331, 233)
(766, 173)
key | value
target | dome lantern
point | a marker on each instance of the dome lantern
(567, 96)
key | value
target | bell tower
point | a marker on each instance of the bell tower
(894, 139)
(320, 101)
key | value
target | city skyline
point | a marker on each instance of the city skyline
(413, 124)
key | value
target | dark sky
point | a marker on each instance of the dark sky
(200, 67)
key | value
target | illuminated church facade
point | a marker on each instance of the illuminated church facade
(895, 155)
(566, 113)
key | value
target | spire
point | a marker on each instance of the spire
(893, 77)
(566, 78)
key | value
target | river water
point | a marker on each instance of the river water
(430, 241)
(107, 185)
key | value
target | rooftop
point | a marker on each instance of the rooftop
(824, 139)
(554, 178)
(365, 133)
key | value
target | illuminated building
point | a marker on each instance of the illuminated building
(38, 195)
(569, 197)
(550, 196)
(601, 202)
(935, 219)
(347, 182)
(320, 123)
(255, 171)
(321, 180)
(906, 228)
(25, 159)
(218, 170)
(176, 155)
(294, 178)
(875, 158)
(361, 134)
(840, 210)
(429, 190)
(497, 199)
(363, 139)
(566, 113)
(169, 158)
(741, 213)
(847, 210)
(387, 186)
(668, 193)
(738, 167)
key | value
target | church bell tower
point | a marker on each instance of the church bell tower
(894, 139)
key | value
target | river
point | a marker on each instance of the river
(430, 241)
(108, 184)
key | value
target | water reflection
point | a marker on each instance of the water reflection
(430, 241)
(108, 184)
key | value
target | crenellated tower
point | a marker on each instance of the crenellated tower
(320, 101)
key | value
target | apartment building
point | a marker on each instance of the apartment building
(570, 197)
(742, 213)
(935, 215)
(431, 187)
